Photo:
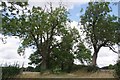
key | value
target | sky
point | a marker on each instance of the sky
(8, 51)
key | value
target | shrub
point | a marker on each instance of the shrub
(92, 68)
(37, 68)
(87, 68)
(78, 67)
(31, 69)
(117, 69)
(56, 70)
(10, 71)
(108, 67)
(111, 66)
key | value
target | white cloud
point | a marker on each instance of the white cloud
(69, 4)
(8, 52)
(106, 57)
(80, 1)
(8, 49)
(74, 24)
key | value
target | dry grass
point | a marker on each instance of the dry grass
(98, 74)
(76, 74)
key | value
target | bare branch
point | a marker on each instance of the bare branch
(113, 49)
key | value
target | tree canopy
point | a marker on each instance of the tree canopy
(46, 30)
(56, 43)
(99, 26)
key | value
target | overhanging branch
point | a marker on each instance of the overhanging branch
(113, 49)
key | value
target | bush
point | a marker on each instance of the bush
(117, 69)
(92, 68)
(56, 71)
(31, 69)
(111, 66)
(78, 67)
(37, 68)
(87, 68)
(10, 71)
(108, 67)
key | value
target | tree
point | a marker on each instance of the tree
(40, 28)
(99, 27)
(35, 59)
(83, 54)
(36, 28)
(62, 56)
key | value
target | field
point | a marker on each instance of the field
(75, 74)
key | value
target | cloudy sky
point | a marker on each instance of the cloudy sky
(8, 51)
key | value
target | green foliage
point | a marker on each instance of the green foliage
(100, 28)
(109, 67)
(98, 24)
(86, 68)
(63, 55)
(37, 27)
(92, 68)
(83, 54)
(29, 68)
(35, 58)
(56, 71)
(37, 68)
(117, 69)
(40, 28)
(10, 71)
(78, 67)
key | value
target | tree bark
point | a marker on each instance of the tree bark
(44, 65)
(95, 55)
(94, 59)
(44, 59)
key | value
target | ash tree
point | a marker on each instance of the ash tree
(99, 27)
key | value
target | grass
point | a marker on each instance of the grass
(76, 74)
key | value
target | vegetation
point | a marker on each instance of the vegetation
(63, 55)
(40, 28)
(117, 69)
(56, 44)
(99, 27)
(10, 71)
(109, 67)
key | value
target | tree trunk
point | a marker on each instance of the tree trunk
(44, 64)
(44, 60)
(94, 59)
